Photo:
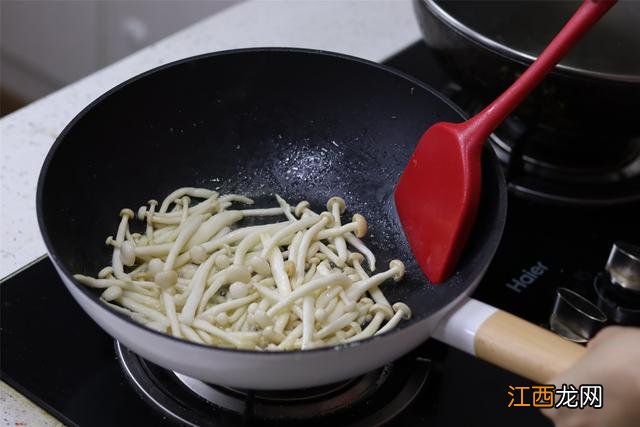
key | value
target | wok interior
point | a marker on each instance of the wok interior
(301, 124)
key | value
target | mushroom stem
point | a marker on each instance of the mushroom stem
(236, 198)
(264, 212)
(276, 262)
(249, 242)
(402, 310)
(290, 338)
(375, 291)
(231, 238)
(143, 309)
(335, 325)
(153, 251)
(325, 298)
(233, 273)
(281, 323)
(196, 290)
(396, 270)
(242, 343)
(358, 226)
(308, 321)
(306, 241)
(148, 300)
(331, 255)
(213, 225)
(170, 310)
(293, 247)
(201, 193)
(133, 286)
(306, 289)
(286, 208)
(191, 226)
(211, 313)
(289, 229)
(116, 261)
(371, 328)
(190, 334)
(362, 248)
(336, 206)
(149, 227)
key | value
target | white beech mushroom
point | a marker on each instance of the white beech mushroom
(198, 273)
(336, 206)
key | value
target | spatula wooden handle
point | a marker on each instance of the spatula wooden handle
(524, 348)
(507, 341)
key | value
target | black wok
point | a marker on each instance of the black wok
(303, 124)
(487, 44)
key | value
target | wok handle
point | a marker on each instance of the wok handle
(507, 341)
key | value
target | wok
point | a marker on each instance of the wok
(487, 44)
(303, 124)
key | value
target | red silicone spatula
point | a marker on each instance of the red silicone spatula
(438, 193)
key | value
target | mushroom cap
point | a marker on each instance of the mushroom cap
(238, 290)
(198, 254)
(404, 308)
(382, 308)
(259, 265)
(128, 253)
(329, 220)
(155, 266)
(110, 241)
(222, 261)
(289, 268)
(153, 202)
(399, 267)
(127, 212)
(166, 278)
(105, 272)
(142, 212)
(301, 207)
(222, 319)
(336, 200)
(111, 293)
(361, 225)
(355, 256)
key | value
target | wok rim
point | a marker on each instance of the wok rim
(516, 55)
(491, 242)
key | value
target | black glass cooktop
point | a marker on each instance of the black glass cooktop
(53, 353)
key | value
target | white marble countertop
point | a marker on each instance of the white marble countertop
(371, 29)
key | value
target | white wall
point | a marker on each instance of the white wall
(46, 44)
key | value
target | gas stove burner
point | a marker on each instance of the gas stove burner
(568, 165)
(546, 164)
(370, 400)
(564, 161)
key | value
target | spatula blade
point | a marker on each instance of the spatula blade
(437, 198)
